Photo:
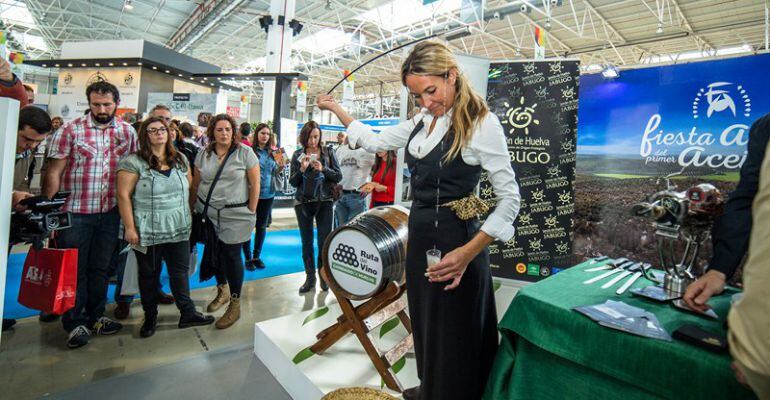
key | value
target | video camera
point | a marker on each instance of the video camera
(41, 217)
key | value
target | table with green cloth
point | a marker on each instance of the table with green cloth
(550, 351)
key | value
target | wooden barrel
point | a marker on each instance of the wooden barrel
(369, 252)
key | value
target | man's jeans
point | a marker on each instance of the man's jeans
(348, 206)
(95, 236)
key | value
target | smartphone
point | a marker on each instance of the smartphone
(313, 157)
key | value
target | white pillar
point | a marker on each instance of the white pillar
(9, 117)
(278, 51)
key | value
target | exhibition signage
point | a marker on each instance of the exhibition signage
(665, 119)
(185, 106)
(536, 103)
(688, 119)
(71, 101)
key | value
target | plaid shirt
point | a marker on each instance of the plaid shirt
(92, 155)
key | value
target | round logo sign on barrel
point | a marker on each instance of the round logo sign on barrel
(368, 253)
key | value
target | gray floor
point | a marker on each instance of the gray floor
(233, 373)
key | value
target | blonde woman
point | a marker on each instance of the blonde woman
(448, 144)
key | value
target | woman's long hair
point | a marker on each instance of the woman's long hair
(390, 161)
(271, 143)
(432, 58)
(173, 158)
(210, 133)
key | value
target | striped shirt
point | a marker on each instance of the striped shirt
(92, 155)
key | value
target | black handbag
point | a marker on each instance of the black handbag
(198, 234)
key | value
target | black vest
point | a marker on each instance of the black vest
(455, 179)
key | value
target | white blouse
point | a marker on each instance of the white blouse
(487, 148)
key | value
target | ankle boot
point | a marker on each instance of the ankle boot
(223, 296)
(324, 285)
(232, 314)
(309, 283)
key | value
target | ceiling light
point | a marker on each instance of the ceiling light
(128, 5)
(180, 75)
(56, 65)
(296, 27)
(548, 23)
(83, 64)
(154, 67)
(265, 21)
(125, 64)
(168, 72)
(192, 79)
(610, 71)
(205, 79)
(111, 64)
(44, 65)
(660, 28)
(69, 65)
(98, 65)
(139, 63)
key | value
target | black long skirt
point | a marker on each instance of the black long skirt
(455, 332)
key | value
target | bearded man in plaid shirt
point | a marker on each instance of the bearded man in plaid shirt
(83, 160)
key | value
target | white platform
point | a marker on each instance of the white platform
(345, 364)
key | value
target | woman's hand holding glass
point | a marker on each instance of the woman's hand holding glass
(451, 267)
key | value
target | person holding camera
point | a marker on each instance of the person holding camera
(83, 160)
(154, 202)
(314, 172)
(34, 127)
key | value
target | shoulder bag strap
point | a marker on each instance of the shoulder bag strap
(214, 183)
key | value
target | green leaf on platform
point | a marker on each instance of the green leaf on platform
(389, 326)
(303, 355)
(496, 285)
(315, 314)
(399, 365)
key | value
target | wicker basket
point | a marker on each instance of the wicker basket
(357, 393)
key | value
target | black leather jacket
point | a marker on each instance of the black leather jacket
(331, 173)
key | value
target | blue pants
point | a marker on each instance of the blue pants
(348, 206)
(95, 236)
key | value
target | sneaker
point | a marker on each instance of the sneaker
(195, 319)
(259, 264)
(122, 310)
(78, 337)
(106, 326)
(250, 265)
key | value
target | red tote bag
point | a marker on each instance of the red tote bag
(49, 281)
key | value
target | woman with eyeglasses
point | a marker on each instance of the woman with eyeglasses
(153, 199)
(230, 212)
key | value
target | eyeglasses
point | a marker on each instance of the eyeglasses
(155, 131)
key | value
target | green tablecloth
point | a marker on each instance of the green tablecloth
(549, 351)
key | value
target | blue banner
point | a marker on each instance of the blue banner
(660, 120)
